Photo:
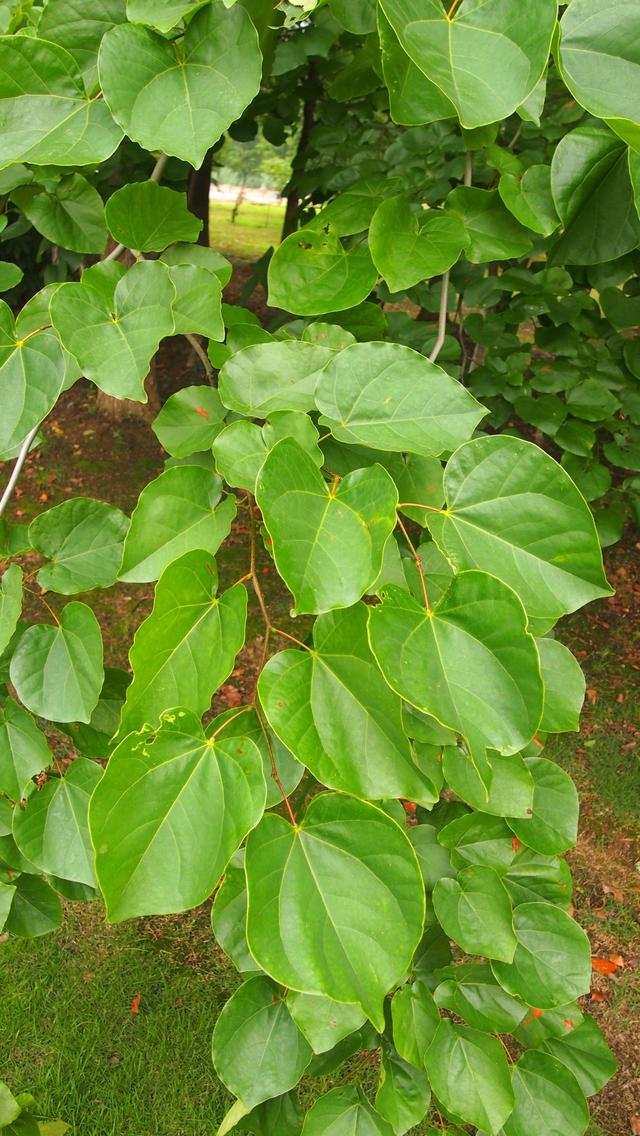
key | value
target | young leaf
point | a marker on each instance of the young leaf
(552, 962)
(168, 814)
(258, 1050)
(147, 217)
(475, 911)
(386, 396)
(322, 1021)
(469, 1073)
(312, 274)
(408, 247)
(327, 543)
(342, 875)
(57, 671)
(83, 539)
(189, 421)
(51, 827)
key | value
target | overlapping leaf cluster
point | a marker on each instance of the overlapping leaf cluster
(436, 555)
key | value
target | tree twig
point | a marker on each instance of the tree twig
(418, 563)
(17, 469)
(442, 319)
(201, 353)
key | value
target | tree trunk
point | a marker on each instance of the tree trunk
(290, 222)
(119, 409)
(198, 195)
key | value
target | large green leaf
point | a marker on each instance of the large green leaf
(552, 963)
(273, 376)
(311, 274)
(181, 97)
(469, 1073)
(189, 421)
(322, 896)
(413, 99)
(258, 1050)
(32, 371)
(599, 59)
(186, 648)
(332, 708)
(45, 115)
(83, 539)
(51, 827)
(23, 750)
(463, 54)
(475, 911)
(345, 1112)
(553, 824)
(10, 603)
(386, 396)
(327, 543)
(78, 26)
(175, 514)
(115, 339)
(593, 195)
(147, 217)
(564, 687)
(168, 814)
(469, 662)
(409, 246)
(415, 1019)
(70, 214)
(514, 512)
(494, 234)
(470, 990)
(548, 1098)
(57, 671)
(322, 1021)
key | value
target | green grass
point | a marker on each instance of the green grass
(255, 229)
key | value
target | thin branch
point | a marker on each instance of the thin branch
(418, 563)
(418, 505)
(17, 469)
(274, 768)
(228, 721)
(468, 168)
(201, 353)
(292, 638)
(442, 319)
(452, 9)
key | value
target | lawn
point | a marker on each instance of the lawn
(255, 229)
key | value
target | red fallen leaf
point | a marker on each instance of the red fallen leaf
(135, 1003)
(201, 412)
(592, 695)
(598, 996)
(634, 1122)
(515, 844)
(604, 966)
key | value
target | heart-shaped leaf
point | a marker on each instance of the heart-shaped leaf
(57, 671)
(241, 448)
(363, 749)
(147, 217)
(189, 421)
(341, 876)
(470, 1074)
(10, 603)
(83, 539)
(530, 200)
(494, 234)
(471, 991)
(548, 1098)
(197, 307)
(345, 1112)
(273, 376)
(512, 511)
(389, 397)
(351, 212)
(70, 215)
(552, 825)
(32, 371)
(186, 648)
(23, 750)
(180, 97)
(51, 827)
(403, 1093)
(413, 99)
(311, 273)
(322, 1021)
(168, 814)
(415, 1019)
(475, 911)
(552, 962)
(409, 246)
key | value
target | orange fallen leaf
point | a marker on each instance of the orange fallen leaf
(592, 695)
(634, 1122)
(135, 1003)
(598, 996)
(605, 966)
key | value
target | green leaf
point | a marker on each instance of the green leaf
(229, 916)
(186, 648)
(10, 275)
(345, 1112)
(83, 539)
(322, 1021)
(198, 256)
(23, 750)
(593, 195)
(197, 307)
(564, 687)
(147, 217)
(434, 861)
(57, 671)
(332, 708)
(247, 724)
(469, 1073)
(529, 199)
(94, 739)
(36, 909)
(585, 1052)
(327, 543)
(31, 375)
(311, 274)
(273, 376)
(552, 963)
(9, 1108)
(164, 15)
(389, 397)
(478, 839)
(70, 215)
(321, 895)
(10, 603)
(511, 788)
(548, 1098)
(409, 246)
(415, 1019)
(168, 814)
(256, 1033)
(492, 231)
(7, 892)
(413, 99)
(351, 212)
(533, 877)
(514, 512)
(553, 824)
(241, 448)
(475, 911)
(181, 101)
(189, 421)
(403, 1091)
(598, 58)
(46, 117)
(282, 1115)
(51, 827)
(471, 991)
(114, 341)
(176, 513)
(356, 16)
(78, 26)
(462, 54)
(469, 662)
